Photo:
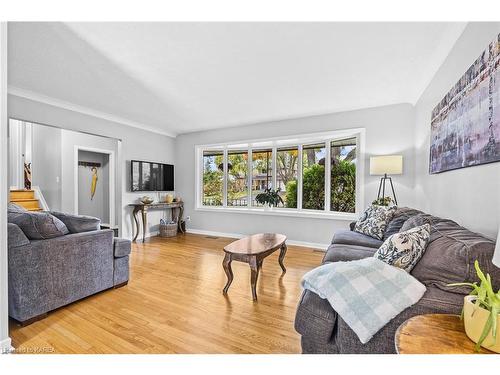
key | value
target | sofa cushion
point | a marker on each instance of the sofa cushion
(373, 222)
(78, 223)
(16, 236)
(348, 237)
(401, 215)
(450, 257)
(38, 225)
(404, 250)
(15, 208)
(342, 253)
(121, 247)
(418, 220)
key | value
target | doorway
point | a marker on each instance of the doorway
(95, 184)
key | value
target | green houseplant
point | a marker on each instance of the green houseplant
(385, 201)
(481, 312)
(269, 197)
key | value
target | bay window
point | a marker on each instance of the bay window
(315, 174)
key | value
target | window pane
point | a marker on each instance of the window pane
(313, 177)
(237, 178)
(262, 161)
(343, 175)
(213, 177)
(286, 178)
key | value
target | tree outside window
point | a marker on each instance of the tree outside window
(213, 178)
(343, 175)
(237, 178)
(286, 177)
(313, 176)
(262, 173)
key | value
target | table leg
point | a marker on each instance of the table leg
(134, 220)
(179, 218)
(228, 270)
(144, 224)
(282, 257)
(254, 268)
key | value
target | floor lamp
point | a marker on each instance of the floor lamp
(383, 166)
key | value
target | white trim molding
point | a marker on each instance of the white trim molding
(41, 98)
(5, 342)
(312, 245)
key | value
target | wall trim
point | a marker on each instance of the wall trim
(6, 346)
(37, 97)
(313, 245)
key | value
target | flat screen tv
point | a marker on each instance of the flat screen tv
(151, 176)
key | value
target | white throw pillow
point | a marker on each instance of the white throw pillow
(404, 249)
(374, 221)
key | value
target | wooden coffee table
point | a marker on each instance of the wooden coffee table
(253, 250)
(434, 334)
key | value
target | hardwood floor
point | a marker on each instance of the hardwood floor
(174, 304)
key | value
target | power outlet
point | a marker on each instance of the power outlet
(188, 218)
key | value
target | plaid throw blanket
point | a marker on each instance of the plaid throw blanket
(366, 293)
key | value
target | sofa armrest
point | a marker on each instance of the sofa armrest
(352, 225)
(16, 236)
(315, 317)
(121, 247)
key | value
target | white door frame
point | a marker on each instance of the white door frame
(112, 216)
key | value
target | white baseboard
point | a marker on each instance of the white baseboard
(312, 245)
(6, 346)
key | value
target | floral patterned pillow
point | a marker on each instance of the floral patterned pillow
(404, 249)
(374, 221)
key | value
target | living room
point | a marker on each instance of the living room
(250, 187)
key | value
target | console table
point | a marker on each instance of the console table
(177, 211)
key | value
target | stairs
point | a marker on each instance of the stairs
(26, 199)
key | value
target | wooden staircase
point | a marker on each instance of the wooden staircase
(26, 199)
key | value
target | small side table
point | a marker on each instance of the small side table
(434, 334)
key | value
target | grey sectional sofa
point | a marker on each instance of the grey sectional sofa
(449, 258)
(47, 273)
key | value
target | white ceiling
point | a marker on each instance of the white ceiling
(176, 78)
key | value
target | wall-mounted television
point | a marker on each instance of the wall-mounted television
(151, 176)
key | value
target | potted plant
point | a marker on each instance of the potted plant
(269, 198)
(385, 201)
(481, 312)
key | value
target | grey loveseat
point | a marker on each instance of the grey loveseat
(47, 273)
(449, 258)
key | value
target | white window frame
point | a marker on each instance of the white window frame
(275, 143)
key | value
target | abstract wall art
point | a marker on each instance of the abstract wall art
(465, 124)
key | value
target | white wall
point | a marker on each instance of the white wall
(4, 165)
(136, 144)
(470, 196)
(46, 164)
(389, 130)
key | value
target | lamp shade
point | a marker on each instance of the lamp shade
(496, 254)
(386, 164)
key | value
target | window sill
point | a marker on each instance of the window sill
(282, 212)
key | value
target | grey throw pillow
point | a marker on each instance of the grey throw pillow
(401, 215)
(373, 222)
(404, 249)
(15, 208)
(78, 223)
(416, 221)
(38, 225)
